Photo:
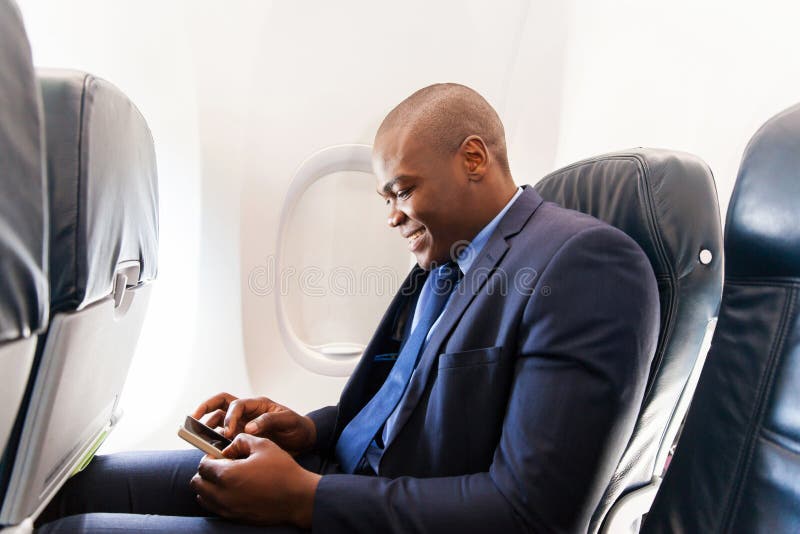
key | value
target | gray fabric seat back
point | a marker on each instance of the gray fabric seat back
(667, 202)
(23, 216)
(737, 464)
(102, 186)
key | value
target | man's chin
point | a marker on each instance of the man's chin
(428, 262)
(424, 260)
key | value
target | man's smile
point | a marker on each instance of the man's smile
(415, 238)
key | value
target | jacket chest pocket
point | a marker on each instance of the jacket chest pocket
(466, 407)
(469, 358)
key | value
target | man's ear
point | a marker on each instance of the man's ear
(475, 157)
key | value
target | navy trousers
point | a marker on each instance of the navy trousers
(142, 492)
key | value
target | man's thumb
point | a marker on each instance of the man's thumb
(260, 424)
(242, 446)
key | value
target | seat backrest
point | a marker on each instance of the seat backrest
(23, 231)
(667, 202)
(102, 187)
(737, 464)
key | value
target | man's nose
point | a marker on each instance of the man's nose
(395, 216)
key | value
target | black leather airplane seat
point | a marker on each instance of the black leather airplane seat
(667, 202)
(23, 232)
(737, 464)
(102, 187)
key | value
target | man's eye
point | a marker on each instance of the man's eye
(403, 193)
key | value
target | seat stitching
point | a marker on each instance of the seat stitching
(747, 452)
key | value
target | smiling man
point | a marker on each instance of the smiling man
(418, 177)
(497, 394)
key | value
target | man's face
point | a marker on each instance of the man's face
(426, 195)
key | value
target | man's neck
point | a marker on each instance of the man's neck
(493, 204)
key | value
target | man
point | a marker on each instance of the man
(497, 394)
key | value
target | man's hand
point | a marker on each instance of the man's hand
(259, 484)
(260, 417)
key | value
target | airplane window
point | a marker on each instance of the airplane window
(340, 267)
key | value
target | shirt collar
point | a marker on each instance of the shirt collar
(467, 256)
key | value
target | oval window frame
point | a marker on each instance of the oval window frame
(337, 359)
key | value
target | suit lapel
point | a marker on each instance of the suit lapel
(480, 271)
(387, 339)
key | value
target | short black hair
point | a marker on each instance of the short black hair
(444, 114)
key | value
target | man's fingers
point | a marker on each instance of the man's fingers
(217, 402)
(208, 495)
(243, 410)
(266, 424)
(215, 419)
(210, 505)
(211, 470)
(233, 415)
(241, 447)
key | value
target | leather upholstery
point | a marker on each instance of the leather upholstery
(737, 465)
(667, 202)
(762, 230)
(23, 237)
(102, 185)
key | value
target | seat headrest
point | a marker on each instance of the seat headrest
(650, 194)
(23, 228)
(762, 228)
(102, 184)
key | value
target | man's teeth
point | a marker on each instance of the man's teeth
(416, 234)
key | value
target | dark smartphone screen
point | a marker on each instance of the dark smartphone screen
(208, 435)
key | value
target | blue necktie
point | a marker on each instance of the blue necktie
(358, 434)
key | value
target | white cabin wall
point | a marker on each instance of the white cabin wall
(684, 75)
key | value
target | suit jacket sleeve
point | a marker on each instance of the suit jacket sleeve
(586, 339)
(324, 421)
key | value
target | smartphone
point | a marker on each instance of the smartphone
(203, 437)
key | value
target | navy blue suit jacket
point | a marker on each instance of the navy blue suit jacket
(529, 390)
